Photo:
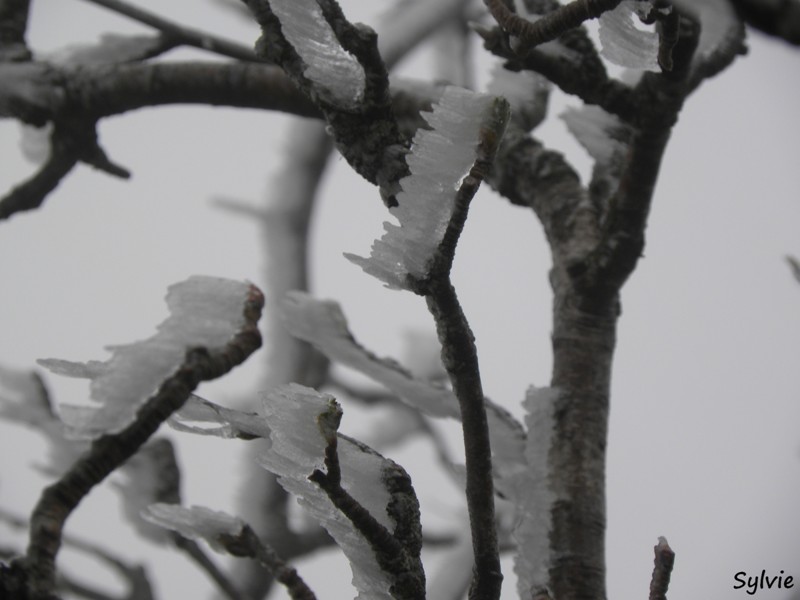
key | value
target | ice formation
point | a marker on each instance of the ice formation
(439, 159)
(601, 134)
(623, 43)
(195, 523)
(532, 495)
(302, 422)
(205, 312)
(331, 68)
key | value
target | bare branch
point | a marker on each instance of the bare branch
(13, 23)
(248, 544)
(664, 560)
(550, 26)
(178, 33)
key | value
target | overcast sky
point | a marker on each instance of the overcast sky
(705, 436)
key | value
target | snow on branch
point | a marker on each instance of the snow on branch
(439, 161)
(323, 324)
(334, 72)
(206, 312)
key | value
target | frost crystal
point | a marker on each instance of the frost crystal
(623, 43)
(438, 161)
(35, 142)
(302, 421)
(331, 68)
(195, 523)
(206, 418)
(532, 495)
(205, 312)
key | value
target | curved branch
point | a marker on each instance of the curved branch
(550, 26)
(183, 35)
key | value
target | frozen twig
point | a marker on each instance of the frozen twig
(662, 569)
(392, 555)
(179, 33)
(581, 72)
(549, 26)
(460, 359)
(358, 108)
(110, 451)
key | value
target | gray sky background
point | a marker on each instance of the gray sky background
(705, 442)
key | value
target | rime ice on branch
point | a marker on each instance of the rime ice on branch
(205, 313)
(440, 158)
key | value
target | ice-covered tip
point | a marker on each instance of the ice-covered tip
(205, 312)
(461, 124)
(337, 75)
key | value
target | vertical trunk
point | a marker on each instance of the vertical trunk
(583, 345)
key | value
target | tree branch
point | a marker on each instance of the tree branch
(550, 26)
(110, 451)
(178, 33)
(460, 359)
(13, 23)
(582, 74)
(393, 552)
(247, 544)
(663, 562)
(366, 134)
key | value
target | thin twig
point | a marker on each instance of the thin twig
(392, 556)
(460, 359)
(550, 26)
(185, 35)
(247, 544)
(662, 569)
(195, 552)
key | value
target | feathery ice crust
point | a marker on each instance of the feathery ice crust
(205, 312)
(332, 69)
(439, 160)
